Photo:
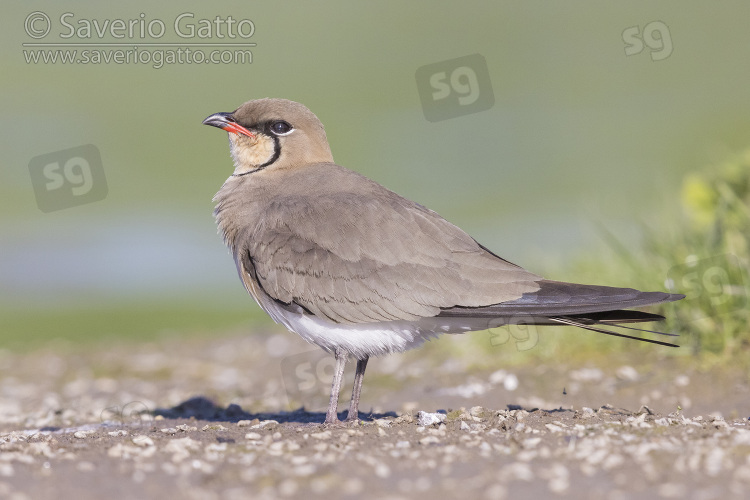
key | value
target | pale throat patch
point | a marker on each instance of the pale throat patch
(248, 154)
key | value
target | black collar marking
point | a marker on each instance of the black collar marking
(276, 154)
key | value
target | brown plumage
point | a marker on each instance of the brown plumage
(359, 270)
(350, 251)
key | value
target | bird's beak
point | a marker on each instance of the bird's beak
(225, 121)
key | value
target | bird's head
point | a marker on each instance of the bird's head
(272, 133)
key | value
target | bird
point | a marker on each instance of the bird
(361, 271)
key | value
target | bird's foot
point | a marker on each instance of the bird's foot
(332, 421)
(334, 424)
(347, 422)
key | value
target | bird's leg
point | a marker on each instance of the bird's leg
(358, 377)
(332, 413)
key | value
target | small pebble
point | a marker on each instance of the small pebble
(429, 440)
(627, 373)
(141, 440)
(510, 382)
(425, 419)
(264, 423)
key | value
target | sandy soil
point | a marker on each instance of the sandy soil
(215, 418)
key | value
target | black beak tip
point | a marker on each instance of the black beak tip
(218, 120)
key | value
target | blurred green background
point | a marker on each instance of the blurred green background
(581, 137)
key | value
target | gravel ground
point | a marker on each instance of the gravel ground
(214, 418)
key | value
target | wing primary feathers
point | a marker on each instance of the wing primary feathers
(571, 322)
(648, 331)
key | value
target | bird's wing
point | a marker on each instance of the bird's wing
(357, 259)
(555, 298)
(584, 306)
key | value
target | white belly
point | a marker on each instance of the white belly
(366, 339)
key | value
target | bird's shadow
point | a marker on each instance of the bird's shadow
(202, 408)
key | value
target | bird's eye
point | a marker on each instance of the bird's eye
(281, 128)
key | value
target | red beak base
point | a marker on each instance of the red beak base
(225, 121)
(237, 129)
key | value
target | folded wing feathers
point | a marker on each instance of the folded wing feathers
(379, 261)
